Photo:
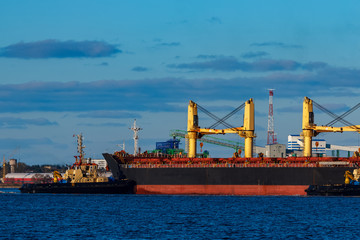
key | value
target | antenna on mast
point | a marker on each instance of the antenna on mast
(271, 138)
(136, 137)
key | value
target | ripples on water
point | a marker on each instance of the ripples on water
(49, 216)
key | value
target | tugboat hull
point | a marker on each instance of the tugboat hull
(117, 187)
(333, 190)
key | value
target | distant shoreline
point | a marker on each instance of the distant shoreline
(10, 185)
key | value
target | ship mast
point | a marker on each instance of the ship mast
(80, 147)
(136, 137)
(4, 169)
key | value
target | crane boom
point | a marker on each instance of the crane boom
(310, 129)
(247, 131)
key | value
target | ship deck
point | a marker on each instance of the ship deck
(242, 165)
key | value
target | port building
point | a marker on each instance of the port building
(295, 143)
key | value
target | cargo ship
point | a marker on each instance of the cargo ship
(180, 173)
(81, 178)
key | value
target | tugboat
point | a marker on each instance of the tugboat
(82, 178)
(351, 187)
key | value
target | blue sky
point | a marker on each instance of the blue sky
(93, 67)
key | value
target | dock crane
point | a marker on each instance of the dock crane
(212, 140)
(310, 129)
(247, 131)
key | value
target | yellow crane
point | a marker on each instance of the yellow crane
(57, 177)
(310, 129)
(349, 176)
(247, 131)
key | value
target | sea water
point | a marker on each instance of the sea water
(85, 216)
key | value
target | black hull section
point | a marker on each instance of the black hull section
(236, 176)
(118, 187)
(333, 190)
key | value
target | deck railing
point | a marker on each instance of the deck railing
(241, 165)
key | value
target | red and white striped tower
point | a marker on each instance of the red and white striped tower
(271, 138)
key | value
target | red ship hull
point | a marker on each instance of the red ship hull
(245, 190)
